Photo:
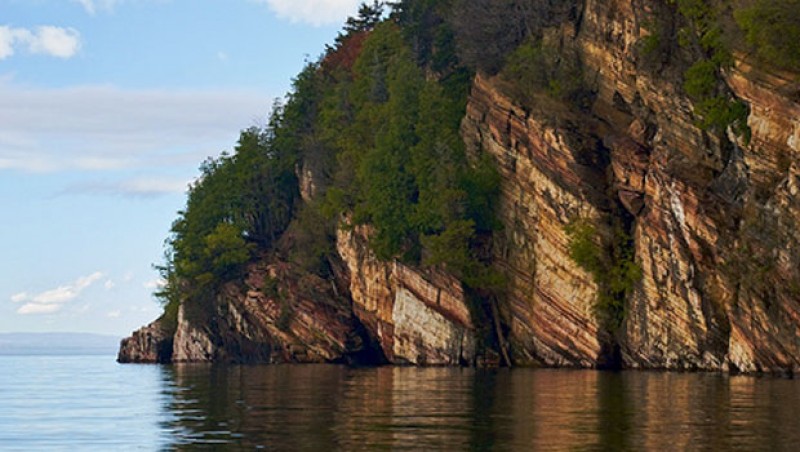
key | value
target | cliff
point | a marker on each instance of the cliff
(417, 316)
(708, 219)
(277, 315)
(713, 221)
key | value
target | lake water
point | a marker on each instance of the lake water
(93, 403)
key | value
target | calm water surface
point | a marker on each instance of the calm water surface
(92, 403)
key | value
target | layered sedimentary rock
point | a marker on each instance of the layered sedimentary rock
(279, 315)
(674, 318)
(148, 344)
(417, 316)
(544, 185)
(713, 218)
(765, 310)
(711, 208)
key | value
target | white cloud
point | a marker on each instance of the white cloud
(34, 308)
(19, 297)
(153, 186)
(58, 295)
(114, 314)
(45, 40)
(52, 300)
(67, 292)
(144, 187)
(102, 129)
(56, 41)
(7, 38)
(314, 12)
(109, 284)
(155, 284)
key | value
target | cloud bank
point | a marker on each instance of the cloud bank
(51, 301)
(139, 187)
(106, 129)
(314, 12)
(45, 40)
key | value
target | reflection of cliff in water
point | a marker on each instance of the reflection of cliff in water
(332, 407)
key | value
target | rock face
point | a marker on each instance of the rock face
(657, 154)
(713, 220)
(417, 317)
(281, 315)
(148, 344)
(544, 183)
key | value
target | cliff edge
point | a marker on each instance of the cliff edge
(693, 228)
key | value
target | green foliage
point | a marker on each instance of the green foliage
(650, 44)
(380, 141)
(773, 28)
(226, 250)
(720, 112)
(287, 313)
(487, 31)
(700, 80)
(481, 184)
(452, 248)
(425, 29)
(584, 248)
(401, 163)
(715, 106)
(715, 109)
(612, 264)
(169, 319)
(241, 203)
(704, 29)
(312, 239)
(539, 67)
(368, 16)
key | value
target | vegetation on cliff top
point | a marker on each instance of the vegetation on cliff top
(377, 133)
(373, 124)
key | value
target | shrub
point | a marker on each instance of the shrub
(773, 28)
(584, 247)
(700, 80)
(539, 68)
(714, 105)
(612, 265)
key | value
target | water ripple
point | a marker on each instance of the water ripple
(92, 403)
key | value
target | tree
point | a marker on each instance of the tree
(242, 202)
(368, 16)
(488, 30)
(773, 28)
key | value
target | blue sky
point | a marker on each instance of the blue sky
(107, 108)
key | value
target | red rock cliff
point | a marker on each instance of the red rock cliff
(714, 222)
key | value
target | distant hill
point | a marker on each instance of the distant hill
(57, 344)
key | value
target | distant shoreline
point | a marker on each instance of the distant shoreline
(57, 344)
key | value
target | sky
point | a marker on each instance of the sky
(107, 109)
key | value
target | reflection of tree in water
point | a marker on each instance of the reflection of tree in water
(319, 407)
(484, 394)
(406, 407)
(249, 406)
(614, 412)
